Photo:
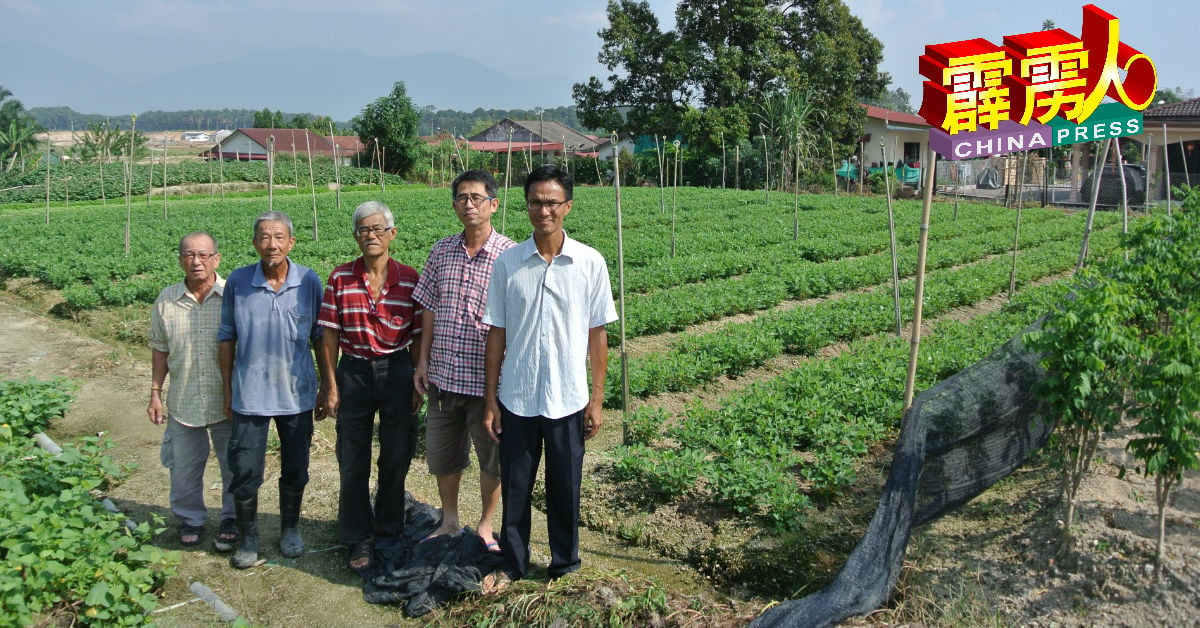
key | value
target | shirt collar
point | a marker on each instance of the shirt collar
(570, 248)
(217, 289)
(292, 280)
(359, 268)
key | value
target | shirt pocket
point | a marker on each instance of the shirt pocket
(299, 326)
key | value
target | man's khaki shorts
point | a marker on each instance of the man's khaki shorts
(452, 422)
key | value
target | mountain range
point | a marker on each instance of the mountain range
(335, 84)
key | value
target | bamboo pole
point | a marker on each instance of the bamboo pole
(150, 179)
(1097, 175)
(104, 158)
(271, 173)
(1124, 189)
(919, 291)
(312, 186)
(766, 168)
(221, 167)
(382, 157)
(892, 237)
(337, 170)
(737, 166)
(1167, 167)
(722, 160)
(1146, 159)
(661, 154)
(295, 166)
(833, 163)
(1012, 273)
(621, 293)
(674, 190)
(164, 175)
(1187, 176)
(796, 196)
(508, 183)
(129, 186)
(47, 177)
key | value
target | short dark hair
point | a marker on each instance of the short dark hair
(195, 234)
(551, 172)
(477, 176)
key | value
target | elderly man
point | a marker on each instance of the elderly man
(268, 320)
(548, 302)
(453, 290)
(368, 314)
(183, 343)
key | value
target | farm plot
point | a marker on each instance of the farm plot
(762, 460)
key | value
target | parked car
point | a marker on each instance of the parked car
(1110, 186)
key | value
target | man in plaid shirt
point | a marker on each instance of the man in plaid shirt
(453, 291)
(368, 314)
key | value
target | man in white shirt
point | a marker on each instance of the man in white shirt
(548, 302)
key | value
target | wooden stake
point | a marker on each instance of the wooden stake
(271, 173)
(1012, 274)
(1167, 167)
(673, 192)
(507, 183)
(1097, 175)
(621, 293)
(312, 186)
(919, 291)
(892, 237)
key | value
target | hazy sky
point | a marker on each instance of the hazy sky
(142, 38)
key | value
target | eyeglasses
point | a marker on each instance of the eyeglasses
(378, 230)
(473, 199)
(202, 256)
(550, 205)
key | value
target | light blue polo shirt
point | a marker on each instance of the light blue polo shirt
(273, 370)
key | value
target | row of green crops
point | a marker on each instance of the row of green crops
(809, 427)
(721, 234)
(693, 360)
(66, 560)
(90, 182)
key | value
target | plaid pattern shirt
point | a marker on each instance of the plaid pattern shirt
(371, 329)
(186, 331)
(454, 286)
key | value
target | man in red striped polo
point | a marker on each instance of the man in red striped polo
(370, 317)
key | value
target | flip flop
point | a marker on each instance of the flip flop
(495, 582)
(493, 547)
(190, 531)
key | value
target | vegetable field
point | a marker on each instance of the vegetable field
(739, 294)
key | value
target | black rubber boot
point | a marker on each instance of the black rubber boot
(246, 555)
(290, 543)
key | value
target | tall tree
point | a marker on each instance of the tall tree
(392, 120)
(724, 61)
(18, 131)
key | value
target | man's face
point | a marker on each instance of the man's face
(373, 235)
(547, 205)
(199, 259)
(273, 242)
(472, 204)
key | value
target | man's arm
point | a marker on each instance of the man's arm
(158, 375)
(328, 396)
(225, 354)
(593, 414)
(493, 357)
(421, 355)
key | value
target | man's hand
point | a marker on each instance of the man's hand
(418, 400)
(491, 418)
(421, 378)
(328, 402)
(155, 409)
(593, 418)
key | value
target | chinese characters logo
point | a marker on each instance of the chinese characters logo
(976, 85)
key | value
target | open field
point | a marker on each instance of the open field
(764, 372)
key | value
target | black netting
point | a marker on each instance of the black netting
(959, 438)
(420, 575)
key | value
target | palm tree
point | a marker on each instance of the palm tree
(18, 138)
(18, 131)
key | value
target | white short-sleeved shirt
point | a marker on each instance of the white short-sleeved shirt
(546, 310)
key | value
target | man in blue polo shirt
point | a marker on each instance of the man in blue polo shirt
(268, 320)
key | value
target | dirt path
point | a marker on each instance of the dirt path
(313, 590)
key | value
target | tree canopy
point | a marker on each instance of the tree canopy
(18, 131)
(392, 122)
(724, 62)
